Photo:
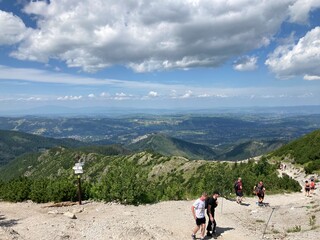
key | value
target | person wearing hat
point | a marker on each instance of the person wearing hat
(212, 204)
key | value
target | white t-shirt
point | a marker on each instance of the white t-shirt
(199, 207)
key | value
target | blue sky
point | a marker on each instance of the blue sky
(159, 54)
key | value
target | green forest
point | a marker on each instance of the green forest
(113, 174)
(139, 179)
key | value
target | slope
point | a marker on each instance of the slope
(14, 144)
(304, 151)
(169, 146)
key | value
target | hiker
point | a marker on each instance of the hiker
(238, 190)
(212, 204)
(312, 186)
(260, 191)
(307, 188)
(198, 212)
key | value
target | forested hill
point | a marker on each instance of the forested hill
(169, 146)
(15, 143)
(305, 151)
(135, 178)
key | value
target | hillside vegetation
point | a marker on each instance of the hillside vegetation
(304, 151)
(137, 178)
(169, 146)
(111, 173)
(13, 144)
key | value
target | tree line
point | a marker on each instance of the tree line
(127, 182)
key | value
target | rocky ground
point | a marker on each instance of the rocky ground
(288, 216)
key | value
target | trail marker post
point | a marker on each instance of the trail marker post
(78, 171)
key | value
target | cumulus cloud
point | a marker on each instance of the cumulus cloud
(152, 94)
(299, 10)
(13, 29)
(121, 96)
(187, 94)
(310, 78)
(245, 63)
(301, 59)
(72, 98)
(149, 35)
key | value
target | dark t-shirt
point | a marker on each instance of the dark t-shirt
(238, 186)
(259, 189)
(213, 202)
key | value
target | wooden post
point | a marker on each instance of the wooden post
(79, 189)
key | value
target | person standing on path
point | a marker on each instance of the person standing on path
(260, 191)
(212, 204)
(198, 212)
(307, 188)
(312, 186)
(238, 190)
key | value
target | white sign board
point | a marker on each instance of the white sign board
(78, 168)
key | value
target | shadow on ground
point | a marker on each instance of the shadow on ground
(7, 223)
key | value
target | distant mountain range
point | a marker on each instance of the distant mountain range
(219, 132)
(210, 137)
(14, 144)
(53, 110)
(169, 146)
(58, 161)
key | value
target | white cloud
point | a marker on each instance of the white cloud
(27, 99)
(104, 94)
(149, 36)
(152, 94)
(299, 10)
(121, 96)
(188, 94)
(301, 59)
(91, 95)
(12, 28)
(72, 98)
(204, 95)
(245, 63)
(311, 78)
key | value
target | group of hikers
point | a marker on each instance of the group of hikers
(309, 187)
(207, 205)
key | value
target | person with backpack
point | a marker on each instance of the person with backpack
(198, 212)
(307, 188)
(211, 205)
(238, 190)
(260, 191)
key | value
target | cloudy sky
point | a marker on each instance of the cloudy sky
(159, 54)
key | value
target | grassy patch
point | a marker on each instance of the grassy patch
(312, 221)
(294, 229)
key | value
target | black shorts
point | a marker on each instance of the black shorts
(260, 195)
(200, 221)
(239, 193)
(307, 189)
